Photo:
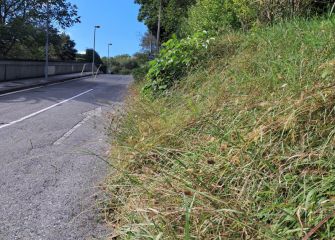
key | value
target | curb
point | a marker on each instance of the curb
(15, 89)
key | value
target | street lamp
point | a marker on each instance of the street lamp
(159, 24)
(108, 60)
(95, 29)
(46, 67)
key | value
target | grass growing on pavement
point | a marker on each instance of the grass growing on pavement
(242, 148)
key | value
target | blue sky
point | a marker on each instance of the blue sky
(119, 25)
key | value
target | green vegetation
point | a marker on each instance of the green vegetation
(249, 141)
(88, 56)
(175, 59)
(185, 17)
(23, 29)
(172, 15)
(122, 64)
(219, 15)
(233, 139)
(126, 65)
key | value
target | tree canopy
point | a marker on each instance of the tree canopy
(173, 12)
(23, 25)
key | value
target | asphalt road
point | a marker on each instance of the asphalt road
(49, 174)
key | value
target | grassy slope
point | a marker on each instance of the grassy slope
(242, 149)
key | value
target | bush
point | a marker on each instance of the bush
(243, 149)
(217, 15)
(140, 73)
(209, 15)
(116, 69)
(175, 59)
(125, 64)
(103, 69)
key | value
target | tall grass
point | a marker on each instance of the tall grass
(241, 149)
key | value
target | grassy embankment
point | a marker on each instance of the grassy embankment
(242, 148)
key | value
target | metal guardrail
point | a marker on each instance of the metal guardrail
(82, 71)
(96, 73)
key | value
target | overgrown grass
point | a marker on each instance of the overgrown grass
(241, 149)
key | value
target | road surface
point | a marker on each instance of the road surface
(49, 174)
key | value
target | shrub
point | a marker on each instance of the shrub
(140, 72)
(205, 15)
(124, 64)
(217, 15)
(175, 59)
(116, 69)
(243, 149)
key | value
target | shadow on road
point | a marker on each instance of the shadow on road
(106, 89)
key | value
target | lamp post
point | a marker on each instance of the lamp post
(159, 24)
(46, 67)
(95, 29)
(108, 59)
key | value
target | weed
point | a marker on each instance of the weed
(241, 149)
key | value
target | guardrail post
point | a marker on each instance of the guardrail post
(82, 72)
(5, 73)
(97, 71)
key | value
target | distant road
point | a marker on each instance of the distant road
(48, 173)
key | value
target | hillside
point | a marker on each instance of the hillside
(242, 147)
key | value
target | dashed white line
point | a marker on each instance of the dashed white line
(43, 110)
(95, 112)
(69, 133)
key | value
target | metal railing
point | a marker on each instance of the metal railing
(97, 72)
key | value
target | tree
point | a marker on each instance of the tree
(60, 12)
(18, 16)
(149, 43)
(173, 11)
(89, 56)
(65, 48)
(141, 58)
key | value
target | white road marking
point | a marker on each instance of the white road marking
(43, 110)
(69, 133)
(89, 115)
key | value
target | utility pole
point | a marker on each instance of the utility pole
(159, 24)
(93, 61)
(46, 67)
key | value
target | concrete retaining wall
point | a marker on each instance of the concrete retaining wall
(14, 70)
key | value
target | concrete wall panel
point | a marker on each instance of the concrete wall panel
(15, 70)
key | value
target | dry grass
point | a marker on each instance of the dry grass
(241, 150)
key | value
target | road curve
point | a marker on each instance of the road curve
(49, 174)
